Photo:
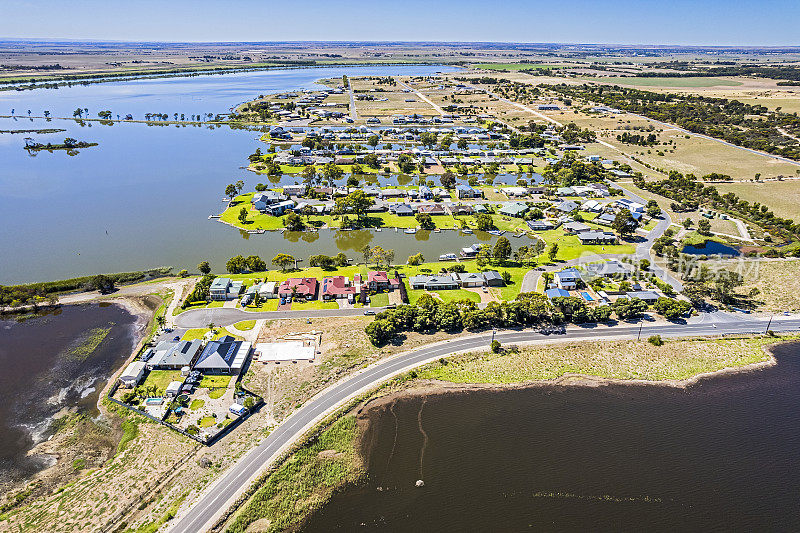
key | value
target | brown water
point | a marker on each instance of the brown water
(722, 455)
(53, 362)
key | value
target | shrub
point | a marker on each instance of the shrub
(495, 346)
(655, 340)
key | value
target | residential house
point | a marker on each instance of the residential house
(471, 251)
(465, 191)
(514, 209)
(298, 288)
(565, 191)
(556, 293)
(470, 279)
(425, 192)
(575, 228)
(431, 209)
(597, 237)
(279, 208)
(592, 206)
(647, 296)
(263, 199)
(433, 283)
(219, 288)
(539, 225)
(459, 209)
(548, 107)
(609, 269)
(178, 355)
(403, 210)
(223, 356)
(566, 206)
(567, 279)
(336, 287)
(378, 280)
(606, 219)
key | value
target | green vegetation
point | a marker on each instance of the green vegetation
(245, 325)
(379, 300)
(130, 430)
(196, 404)
(207, 422)
(89, 343)
(643, 360)
(152, 527)
(216, 394)
(306, 481)
(160, 379)
(213, 382)
(669, 81)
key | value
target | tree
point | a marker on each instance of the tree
(373, 140)
(415, 260)
(506, 275)
(239, 186)
(101, 283)
(629, 307)
(502, 249)
(704, 227)
(283, 261)
(293, 222)
(366, 251)
(552, 252)
(687, 223)
(309, 174)
(256, 264)
(462, 144)
(484, 222)
(257, 299)
(623, 222)
(204, 267)
(230, 190)
(183, 273)
(671, 308)
(236, 264)
(341, 260)
(242, 215)
(380, 331)
(332, 172)
(448, 180)
(425, 221)
(484, 255)
(161, 321)
(495, 346)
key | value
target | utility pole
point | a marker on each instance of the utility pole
(768, 324)
(639, 335)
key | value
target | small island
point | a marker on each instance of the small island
(69, 144)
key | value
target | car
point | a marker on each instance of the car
(369, 312)
(391, 306)
(484, 289)
(176, 338)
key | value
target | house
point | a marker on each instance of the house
(392, 193)
(471, 251)
(269, 289)
(548, 107)
(460, 209)
(606, 219)
(575, 228)
(132, 374)
(592, 206)
(433, 283)
(219, 288)
(465, 191)
(630, 205)
(514, 209)
(431, 209)
(470, 279)
(279, 208)
(223, 356)
(539, 225)
(336, 287)
(378, 280)
(567, 206)
(402, 210)
(262, 199)
(647, 296)
(425, 192)
(238, 410)
(597, 237)
(556, 293)
(612, 269)
(278, 352)
(178, 355)
(493, 278)
(565, 191)
(567, 279)
(298, 288)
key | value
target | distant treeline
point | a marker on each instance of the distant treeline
(28, 293)
(777, 72)
(751, 126)
(55, 66)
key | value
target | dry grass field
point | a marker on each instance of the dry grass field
(783, 197)
(778, 282)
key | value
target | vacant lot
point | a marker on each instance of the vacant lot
(778, 283)
(675, 360)
(783, 197)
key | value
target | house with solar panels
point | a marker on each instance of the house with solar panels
(225, 355)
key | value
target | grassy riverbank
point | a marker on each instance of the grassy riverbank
(625, 360)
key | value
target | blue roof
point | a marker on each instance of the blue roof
(555, 293)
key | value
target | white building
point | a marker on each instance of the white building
(279, 352)
(133, 373)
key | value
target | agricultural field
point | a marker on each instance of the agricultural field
(636, 81)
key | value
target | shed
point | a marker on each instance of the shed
(133, 373)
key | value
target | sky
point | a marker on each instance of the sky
(673, 22)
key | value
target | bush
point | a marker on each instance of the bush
(655, 340)
(495, 346)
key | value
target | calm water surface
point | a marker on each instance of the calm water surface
(721, 455)
(142, 197)
(47, 366)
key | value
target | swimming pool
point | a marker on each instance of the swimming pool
(586, 296)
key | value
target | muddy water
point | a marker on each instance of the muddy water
(52, 362)
(721, 455)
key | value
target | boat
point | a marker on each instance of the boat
(467, 231)
(448, 257)
(410, 231)
(377, 229)
(497, 232)
(210, 217)
(437, 230)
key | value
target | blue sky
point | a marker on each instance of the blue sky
(703, 22)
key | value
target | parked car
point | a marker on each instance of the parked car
(176, 338)
(369, 312)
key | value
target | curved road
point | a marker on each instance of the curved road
(220, 495)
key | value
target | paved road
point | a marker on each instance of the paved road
(422, 97)
(201, 515)
(200, 318)
(353, 111)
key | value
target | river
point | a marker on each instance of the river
(720, 455)
(142, 197)
(52, 362)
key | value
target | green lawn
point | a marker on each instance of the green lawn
(162, 378)
(214, 382)
(196, 404)
(379, 300)
(198, 333)
(314, 304)
(445, 296)
(216, 394)
(207, 421)
(245, 325)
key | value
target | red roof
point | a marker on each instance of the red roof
(335, 286)
(303, 286)
(377, 276)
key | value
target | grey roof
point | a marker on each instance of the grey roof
(608, 268)
(492, 274)
(218, 354)
(567, 206)
(643, 295)
(469, 276)
(568, 274)
(180, 354)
